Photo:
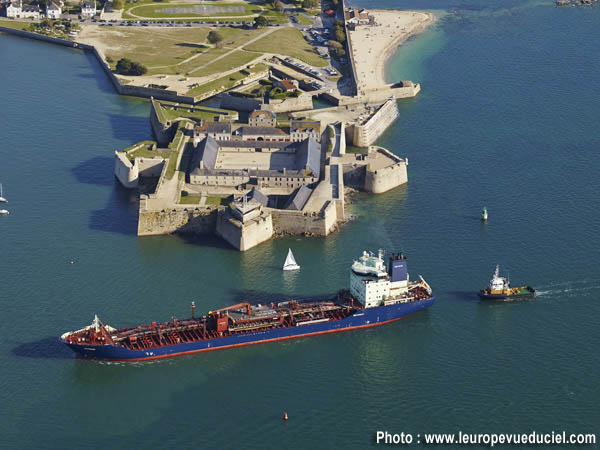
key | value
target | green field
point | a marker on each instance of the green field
(224, 83)
(153, 11)
(290, 42)
(178, 51)
(14, 24)
(199, 112)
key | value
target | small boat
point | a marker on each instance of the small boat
(499, 289)
(484, 214)
(4, 212)
(290, 262)
(2, 199)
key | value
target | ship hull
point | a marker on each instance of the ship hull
(369, 317)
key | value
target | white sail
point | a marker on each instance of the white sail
(2, 199)
(290, 262)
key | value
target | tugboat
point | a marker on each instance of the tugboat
(499, 289)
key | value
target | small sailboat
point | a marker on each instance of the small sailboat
(484, 214)
(2, 199)
(290, 262)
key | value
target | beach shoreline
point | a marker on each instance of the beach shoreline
(374, 46)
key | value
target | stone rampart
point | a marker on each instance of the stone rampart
(240, 103)
(244, 236)
(363, 135)
(187, 219)
(305, 223)
(126, 172)
(290, 104)
(381, 180)
(163, 130)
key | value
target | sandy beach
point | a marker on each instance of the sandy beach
(373, 45)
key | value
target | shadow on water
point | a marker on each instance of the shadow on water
(463, 296)
(101, 78)
(49, 347)
(97, 170)
(206, 240)
(120, 214)
(122, 126)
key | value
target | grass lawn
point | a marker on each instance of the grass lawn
(225, 82)
(200, 112)
(190, 199)
(303, 20)
(359, 150)
(235, 59)
(164, 51)
(288, 41)
(154, 48)
(14, 24)
(195, 200)
(155, 11)
(218, 200)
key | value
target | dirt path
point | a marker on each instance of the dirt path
(260, 36)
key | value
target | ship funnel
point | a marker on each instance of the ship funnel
(397, 267)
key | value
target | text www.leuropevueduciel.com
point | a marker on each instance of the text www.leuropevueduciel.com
(488, 439)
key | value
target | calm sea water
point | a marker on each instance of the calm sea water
(508, 119)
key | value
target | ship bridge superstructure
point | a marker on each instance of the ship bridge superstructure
(374, 285)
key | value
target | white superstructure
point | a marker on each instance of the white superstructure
(373, 285)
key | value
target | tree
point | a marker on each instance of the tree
(214, 37)
(127, 67)
(278, 5)
(339, 33)
(307, 4)
(261, 21)
(118, 4)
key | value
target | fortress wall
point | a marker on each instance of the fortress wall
(342, 138)
(187, 220)
(149, 167)
(239, 103)
(39, 37)
(364, 135)
(382, 180)
(300, 103)
(163, 133)
(126, 172)
(349, 51)
(247, 235)
(301, 223)
(354, 175)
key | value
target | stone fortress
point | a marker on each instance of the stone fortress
(257, 167)
(247, 181)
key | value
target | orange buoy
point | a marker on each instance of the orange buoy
(285, 416)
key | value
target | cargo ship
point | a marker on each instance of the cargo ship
(377, 295)
(500, 289)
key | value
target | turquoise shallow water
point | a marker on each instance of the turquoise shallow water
(507, 119)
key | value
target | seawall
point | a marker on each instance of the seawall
(181, 219)
(367, 133)
(305, 223)
(379, 180)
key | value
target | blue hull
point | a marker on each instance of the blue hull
(364, 318)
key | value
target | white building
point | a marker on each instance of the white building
(88, 9)
(31, 12)
(53, 10)
(14, 9)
